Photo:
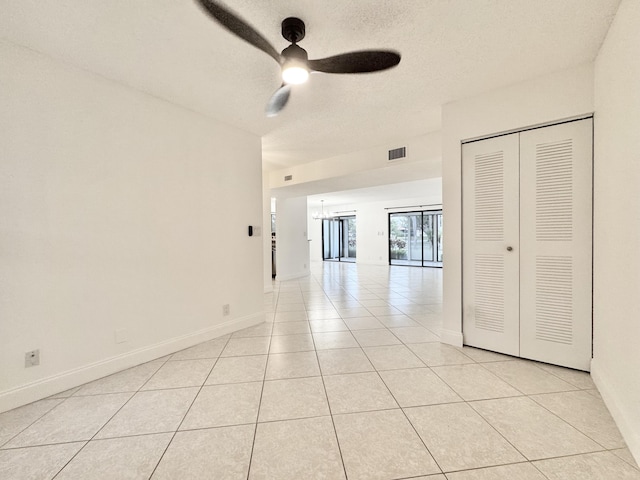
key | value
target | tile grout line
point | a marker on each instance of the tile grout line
(405, 415)
(62, 400)
(333, 423)
(105, 423)
(175, 432)
(264, 376)
(565, 420)
(110, 418)
(65, 399)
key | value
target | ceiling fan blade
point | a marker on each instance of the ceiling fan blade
(357, 62)
(239, 27)
(278, 100)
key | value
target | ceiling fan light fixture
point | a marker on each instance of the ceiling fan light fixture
(294, 60)
(295, 72)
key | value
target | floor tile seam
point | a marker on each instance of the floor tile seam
(169, 359)
(539, 471)
(579, 430)
(288, 334)
(478, 400)
(506, 464)
(132, 435)
(164, 388)
(62, 400)
(409, 407)
(486, 420)
(255, 430)
(411, 424)
(385, 328)
(289, 321)
(569, 381)
(84, 396)
(191, 359)
(97, 432)
(251, 336)
(572, 455)
(186, 413)
(334, 348)
(254, 354)
(474, 399)
(109, 393)
(349, 373)
(70, 460)
(632, 465)
(501, 379)
(38, 445)
(333, 424)
(286, 419)
(532, 362)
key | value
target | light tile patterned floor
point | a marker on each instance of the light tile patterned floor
(345, 380)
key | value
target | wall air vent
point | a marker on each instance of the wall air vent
(397, 153)
(288, 177)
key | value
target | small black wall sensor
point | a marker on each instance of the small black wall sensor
(250, 231)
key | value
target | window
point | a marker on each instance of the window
(415, 238)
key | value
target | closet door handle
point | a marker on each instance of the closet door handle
(509, 249)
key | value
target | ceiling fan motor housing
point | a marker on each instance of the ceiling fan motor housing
(294, 52)
(293, 29)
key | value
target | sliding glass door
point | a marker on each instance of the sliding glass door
(415, 238)
(339, 239)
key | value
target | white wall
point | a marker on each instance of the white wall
(292, 246)
(616, 364)
(372, 224)
(549, 98)
(119, 212)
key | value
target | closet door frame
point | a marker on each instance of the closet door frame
(469, 337)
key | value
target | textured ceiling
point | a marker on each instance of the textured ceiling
(451, 49)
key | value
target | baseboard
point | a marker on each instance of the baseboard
(451, 337)
(630, 434)
(292, 276)
(46, 387)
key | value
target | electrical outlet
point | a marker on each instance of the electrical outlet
(32, 358)
(257, 231)
(226, 310)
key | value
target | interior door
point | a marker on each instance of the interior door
(490, 244)
(556, 241)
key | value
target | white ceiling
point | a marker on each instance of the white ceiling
(389, 193)
(451, 49)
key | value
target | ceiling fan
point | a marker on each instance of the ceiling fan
(293, 60)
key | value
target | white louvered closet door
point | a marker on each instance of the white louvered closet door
(556, 244)
(490, 228)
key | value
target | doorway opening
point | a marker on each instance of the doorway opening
(339, 239)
